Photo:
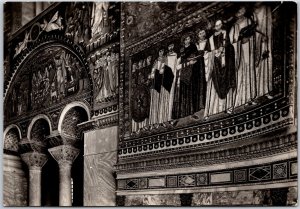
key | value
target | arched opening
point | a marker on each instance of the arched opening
(15, 171)
(11, 139)
(39, 129)
(73, 117)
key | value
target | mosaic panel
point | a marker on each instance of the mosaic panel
(172, 181)
(132, 184)
(240, 175)
(260, 173)
(186, 180)
(280, 170)
(202, 179)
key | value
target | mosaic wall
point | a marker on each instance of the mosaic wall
(50, 65)
(177, 73)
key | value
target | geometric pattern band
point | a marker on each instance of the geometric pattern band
(280, 170)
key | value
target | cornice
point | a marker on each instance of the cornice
(255, 150)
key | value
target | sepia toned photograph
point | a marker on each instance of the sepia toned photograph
(150, 104)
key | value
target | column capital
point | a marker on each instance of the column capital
(64, 154)
(34, 160)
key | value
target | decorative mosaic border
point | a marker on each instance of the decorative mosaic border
(233, 128)
(106, 110)
(275, 171)
(273, 146)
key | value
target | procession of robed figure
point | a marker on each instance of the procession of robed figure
(214, 74)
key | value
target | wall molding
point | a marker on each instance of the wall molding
(276, 171)
(269, 147)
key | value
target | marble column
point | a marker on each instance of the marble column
(35, 161)
(65, 156)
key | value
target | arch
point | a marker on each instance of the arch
(45, 41)
(7, 129)
(70, 106)
(37, 117)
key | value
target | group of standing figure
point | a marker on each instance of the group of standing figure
(105, 75)
(219, 73)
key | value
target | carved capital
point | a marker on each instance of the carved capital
(34, 160)
(64, 154)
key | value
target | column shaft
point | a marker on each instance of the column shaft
(35, 187)
(65, 156)
(65, 192)
(35, 161)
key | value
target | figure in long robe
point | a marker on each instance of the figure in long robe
(198, 80)
(172, 62)
(220, 73)
(183, 104)
(98, 75)
(99, 18)
(263, 61)
(242, 37)
(113, 75)
(60, 75)
(105, 90)
(167, 78)
(155, 90)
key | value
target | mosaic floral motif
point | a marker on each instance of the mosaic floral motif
(240, 175)
(280, 171)
(202, 179)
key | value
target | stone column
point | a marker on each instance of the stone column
(35, 161)
(65, 156)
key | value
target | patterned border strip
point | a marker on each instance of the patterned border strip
(106, 110)
(281, 103)
(189, 159)
(275, 171)
(196, 147)
(181, 138)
